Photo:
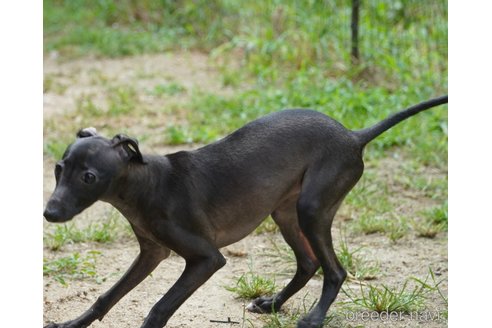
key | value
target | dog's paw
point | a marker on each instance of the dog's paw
(307, 323)
(69, 324)
(53, 325)
(263, 305)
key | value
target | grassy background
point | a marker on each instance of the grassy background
(290, 54)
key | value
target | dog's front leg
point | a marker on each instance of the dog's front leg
(202, 260)
(150, 256)
(196, 272)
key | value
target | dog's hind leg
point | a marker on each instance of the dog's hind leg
(286, 218)
(321, 195)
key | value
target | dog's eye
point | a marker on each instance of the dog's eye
(58, 169)
(89, 178)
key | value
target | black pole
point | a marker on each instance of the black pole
(355, 31)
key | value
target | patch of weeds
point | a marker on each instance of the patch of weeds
(230, 78)
(176, 135)
(98, 77)
(72, 267)
(370, 195)
(395, 228)
(50, 84)
(369, 224)
(250, 286)
(402, 299)
(432, 187)
(267, 226)
(202, 133)
(169, 89)
(427, 228)
(55, 148)
(434, 287)
(388, 299)
(86, 106)
(355, 265)
(61, 235)
(435, 221)
(183, 134)
(68, 233)
(122, 100)
(101, 233)
(438, 215)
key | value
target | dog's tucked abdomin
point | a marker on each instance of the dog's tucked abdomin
(297, 165)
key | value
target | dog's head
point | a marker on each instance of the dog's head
(86, 171)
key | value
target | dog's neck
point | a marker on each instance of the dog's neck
(138, 183)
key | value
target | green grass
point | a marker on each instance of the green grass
(434, 187)
(55, 148)
(119, 100)
(374, 201)
(404, 299)
(388, 299)
(51, 84)
(251, 285)
(212, 116)
(427, 228)
(435, 220)
(107, 230)
(72, 267)
(284, 54)
(168, 89)
(271, 34)
(438, 215)
(122, 100)
(394, 227)
(123, 28)
(274, 40)
(356, 265)
(434, 286)
(178, 135)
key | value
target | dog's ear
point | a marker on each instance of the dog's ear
(87, 132)
(129, 148)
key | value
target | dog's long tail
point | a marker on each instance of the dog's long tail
(368, 134)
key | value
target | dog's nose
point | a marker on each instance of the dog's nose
(51, 214)
(56, 211)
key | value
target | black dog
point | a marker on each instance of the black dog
(297, 165)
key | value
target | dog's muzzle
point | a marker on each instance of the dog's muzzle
(55, 213)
